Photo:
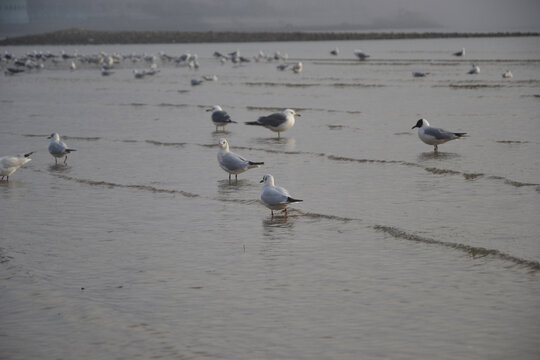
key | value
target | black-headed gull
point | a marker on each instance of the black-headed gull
(434, 136)
(220, 117)
(9, 164)
(233, 163)
(277, 122)
(58, 148)
(275, 197)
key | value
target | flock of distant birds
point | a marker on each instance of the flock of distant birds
(272, 196)
(106, 62)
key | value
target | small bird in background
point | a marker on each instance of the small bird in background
(275, 197)
(233, 163)
(460, 53)
(475, 69)
(277, 122)
(434, 136)
(360, 54)
(507, 75)
(10, 164)
(220, 118)
(58, 149)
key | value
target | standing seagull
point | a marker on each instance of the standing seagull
(9, 164)
(475, 69)
(220, 117)
(58, 148)
(434, 136)
(233, 163)
(277, 122)
(460, 53)
(275, 197)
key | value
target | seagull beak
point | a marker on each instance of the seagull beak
(261, 181)
(297, 114)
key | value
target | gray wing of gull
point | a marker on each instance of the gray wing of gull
(221, 117)
(274, 195)
(232, 161)
(273, 120)
(440, 134)
(57, 148)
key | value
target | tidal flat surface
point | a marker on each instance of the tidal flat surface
(139, 247)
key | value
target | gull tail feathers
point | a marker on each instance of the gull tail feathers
(253, 122)
(290, 200)
(70, 150)
(461, 134)
(28, 154)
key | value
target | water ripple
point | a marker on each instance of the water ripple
(474, 251)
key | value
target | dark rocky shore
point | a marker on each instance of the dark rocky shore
(88, 37)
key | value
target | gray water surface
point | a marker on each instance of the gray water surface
(140, 247)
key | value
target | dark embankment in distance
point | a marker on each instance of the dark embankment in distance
(87, 37)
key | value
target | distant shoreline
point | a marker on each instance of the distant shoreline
(91, 37)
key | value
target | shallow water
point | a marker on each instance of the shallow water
(141, 248)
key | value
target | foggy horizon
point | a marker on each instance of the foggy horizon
(37, 16)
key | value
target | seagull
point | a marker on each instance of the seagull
(475, 69)
(335, 52)
(360, 54)
(220, 117)
(139, 74)
(420, 74)
(58, 149)
(460, 53)
(275, 197)
(297, 68)
(277, 122)
(9, 164)
(434, 136)
(195, 82)
(507, 75)
(233, 163)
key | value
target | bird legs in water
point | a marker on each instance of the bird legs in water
(436, 149)
(284, 210)
(235, 178)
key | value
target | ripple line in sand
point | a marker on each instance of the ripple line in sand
(474, 251)
(127, 186)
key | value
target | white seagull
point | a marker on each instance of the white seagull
(275, 197)
(460, 53)
(220, 117)
(360, 54)
(475, 69)
(434, 136)
(297, 68)
(58, 148)
(507, 75)
(233, 163)
(277, 122)
(9, 164)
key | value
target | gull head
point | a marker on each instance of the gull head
(420, 123)
(288, 112)
(223, 144)
(215, 108)
(268, 180)
(54, 136)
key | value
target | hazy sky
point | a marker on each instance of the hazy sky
(278, 15)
